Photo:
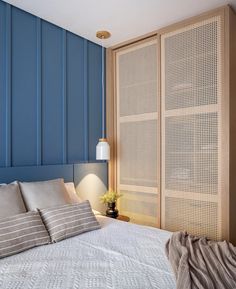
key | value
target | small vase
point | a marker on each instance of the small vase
(111, 211)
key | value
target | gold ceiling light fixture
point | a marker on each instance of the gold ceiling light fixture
(103, 34)
(103, 148)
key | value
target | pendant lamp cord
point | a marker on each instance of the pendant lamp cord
(103, 95)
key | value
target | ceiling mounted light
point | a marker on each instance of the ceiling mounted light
(103, 148)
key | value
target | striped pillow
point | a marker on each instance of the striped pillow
(69, 220)
(21, 232)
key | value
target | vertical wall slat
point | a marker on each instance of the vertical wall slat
(2, 84)
(64, 102)
(86, 101)
(8, 86)
(24, 88)
(75, 99)
(39, 92)
(94, 98)
(52, 148)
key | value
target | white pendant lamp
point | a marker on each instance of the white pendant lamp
(103, 148)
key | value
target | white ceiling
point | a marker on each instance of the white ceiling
(125, 19)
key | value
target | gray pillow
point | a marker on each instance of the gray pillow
(21, 232)
(69, 220)
(11, 202)
(44, 194)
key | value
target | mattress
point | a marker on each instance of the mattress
(118, 256)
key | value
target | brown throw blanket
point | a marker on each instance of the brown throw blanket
(201, 264)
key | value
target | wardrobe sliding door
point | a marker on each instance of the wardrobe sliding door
(138, 132)
(191, 128)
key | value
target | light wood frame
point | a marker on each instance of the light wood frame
(210, 108)
(115, 172)
(228, 149)
(230, 54)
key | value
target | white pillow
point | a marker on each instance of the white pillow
(70, 187)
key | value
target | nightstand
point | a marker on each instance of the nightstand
(123, 218)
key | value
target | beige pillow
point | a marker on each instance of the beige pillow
(44, 194)
(21, 232)
(69, 220)
(11, 202)
(70, 187)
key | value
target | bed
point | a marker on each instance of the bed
(65, 245)
(119, 255)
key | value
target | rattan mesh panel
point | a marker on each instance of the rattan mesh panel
(132, 100)
(137, 132)
(196, 217)
(140, 207)
(191, 126)
(138, 153)
(138, 81)
(191, 153)
(190, 67)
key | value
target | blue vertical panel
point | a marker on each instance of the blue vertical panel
(52, 95)
(64, 98)
(75, 98)
(24, 88)
(2, 82)
(39, 93)
(94, 97)
(86, 101)
(8, 88)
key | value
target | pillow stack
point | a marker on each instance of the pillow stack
(39, 213)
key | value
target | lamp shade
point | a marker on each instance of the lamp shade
(103, 150)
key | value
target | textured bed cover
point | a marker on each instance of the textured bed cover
(118, 256)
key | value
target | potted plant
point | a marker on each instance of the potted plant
(110, 198)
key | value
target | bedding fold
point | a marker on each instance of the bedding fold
(201, 264)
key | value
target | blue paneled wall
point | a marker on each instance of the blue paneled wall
(50, 92)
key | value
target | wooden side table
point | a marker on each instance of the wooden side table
(123, 218)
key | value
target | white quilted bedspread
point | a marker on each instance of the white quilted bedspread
(118, 256)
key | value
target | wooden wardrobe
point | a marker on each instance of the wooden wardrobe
(171, 124)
